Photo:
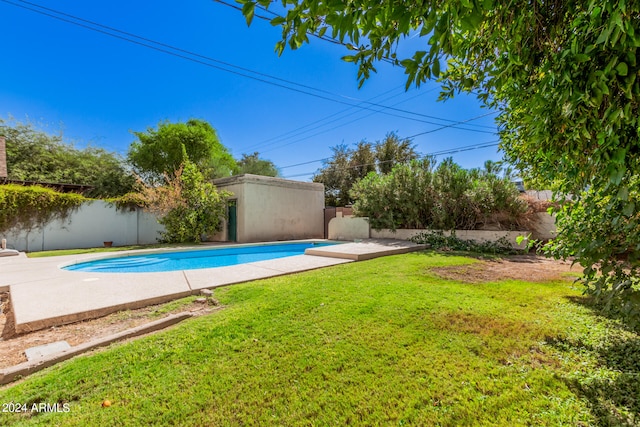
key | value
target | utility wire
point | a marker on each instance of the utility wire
(287, 135)
(126, 36)
(275, 140)
(168, 46)
(409, 137)
(438, 153)
(349, 122)
(453, 125)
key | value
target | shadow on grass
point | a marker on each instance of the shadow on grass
(613, 387)
(614, 399)
(597, 307)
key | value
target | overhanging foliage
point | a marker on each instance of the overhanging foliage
(30, 207)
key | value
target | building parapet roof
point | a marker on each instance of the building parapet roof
(267, 180)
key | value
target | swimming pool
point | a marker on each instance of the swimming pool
(193, 259)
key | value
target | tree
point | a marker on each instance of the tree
(348, 166)
(563, 75)
(33, 155)
(252, 163)
(391, 151)
(335, 177)
(163, 150)
(344, 169)
(187, 206)
(362, 162)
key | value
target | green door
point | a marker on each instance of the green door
(232, 223)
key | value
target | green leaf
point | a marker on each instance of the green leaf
(581, 57)
(629, 209)
(349, 58)
(619, 155)
(476, 18)
(615, 177)
(435, 67)
(409, 64)
(604, 35)
(280, 45)
(603, 87)
(622, 69)
(248, 11)
(623, 194)
(618, 20)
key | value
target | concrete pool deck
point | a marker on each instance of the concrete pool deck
(43, 295)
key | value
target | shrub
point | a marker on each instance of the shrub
(34, 206)
(416, 195)
(437, 240)
(188, 207)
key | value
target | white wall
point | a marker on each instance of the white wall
(352, 228)
(479, 236)
(545, 227)
(349, 228)
(92, 224)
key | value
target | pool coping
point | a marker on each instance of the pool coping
(43, 295)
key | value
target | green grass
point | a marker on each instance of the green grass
(381, 342)
(59, 252)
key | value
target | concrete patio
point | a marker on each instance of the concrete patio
(44, 295)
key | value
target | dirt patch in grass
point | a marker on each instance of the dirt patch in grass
(12, 348)
(485, 326)
(530, 268)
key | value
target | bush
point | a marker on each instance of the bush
(34, 206)
(437, 240)
(188, 207)
(448, 197)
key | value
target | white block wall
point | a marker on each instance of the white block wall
(90, 226)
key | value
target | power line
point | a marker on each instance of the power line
(305, 163)
(336, 126)
(351, 121)
(283, 138)
(325, 38)
(438, 153)
(126, 36)
(453, 125)
(409, 137)
(288, 135)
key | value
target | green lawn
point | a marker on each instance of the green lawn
(381, 342)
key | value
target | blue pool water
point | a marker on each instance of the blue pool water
(193, 259)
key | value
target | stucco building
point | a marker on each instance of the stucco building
(264, 209)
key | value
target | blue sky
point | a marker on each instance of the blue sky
(97, 88)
